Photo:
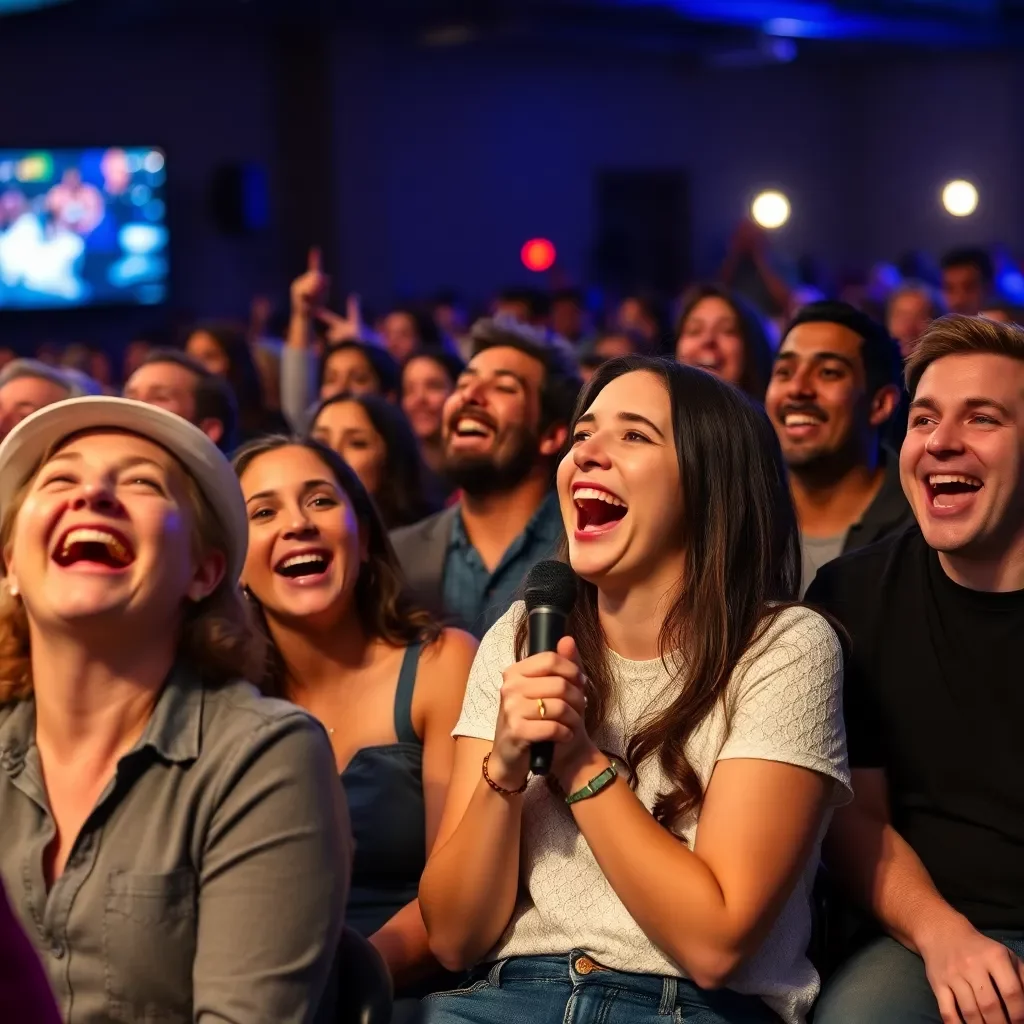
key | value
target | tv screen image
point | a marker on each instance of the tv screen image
(82, 227)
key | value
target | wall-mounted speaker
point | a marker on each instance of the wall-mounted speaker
(239, 198)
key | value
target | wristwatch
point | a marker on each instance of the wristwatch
(594, 786)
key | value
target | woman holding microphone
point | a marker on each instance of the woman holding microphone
(664, 868)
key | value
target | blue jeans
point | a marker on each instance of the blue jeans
(885, 983)
(574, 990)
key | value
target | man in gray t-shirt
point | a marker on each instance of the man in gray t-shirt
(835, 383)
(816, 552)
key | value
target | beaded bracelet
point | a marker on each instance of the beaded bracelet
(498, 789)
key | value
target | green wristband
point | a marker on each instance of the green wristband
(594, 786)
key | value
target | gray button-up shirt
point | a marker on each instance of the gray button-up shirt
(209, 882)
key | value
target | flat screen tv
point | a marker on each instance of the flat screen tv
(82, 227)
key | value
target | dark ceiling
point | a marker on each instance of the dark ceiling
(775, 29)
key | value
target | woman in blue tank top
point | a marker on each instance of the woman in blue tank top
(382, 676)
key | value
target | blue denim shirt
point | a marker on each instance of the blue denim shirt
(475, 598)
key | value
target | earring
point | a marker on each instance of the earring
(12, 589)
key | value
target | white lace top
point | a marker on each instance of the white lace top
(783, 703)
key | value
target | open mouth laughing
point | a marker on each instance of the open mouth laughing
(598, 510)
(304, 567)
(94, 548)
(949, 493)
(802, 422)
(470, 430)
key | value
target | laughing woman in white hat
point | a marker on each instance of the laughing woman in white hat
(175, 845)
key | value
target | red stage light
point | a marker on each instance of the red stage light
(538, 255)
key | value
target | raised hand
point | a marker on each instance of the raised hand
(309, 290)
(343, 328)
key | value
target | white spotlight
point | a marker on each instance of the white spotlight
(770, 210)
(960, 198)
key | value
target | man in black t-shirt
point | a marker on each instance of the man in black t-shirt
(933, 843)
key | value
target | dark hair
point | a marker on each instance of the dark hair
(757, 350)
(878, 351)
(537, 303)
(405, 495)
(242, 375)
(382, 597)
(957, 334)
(742, 565)
(970, 257)
(452, 364)
(562, 383)
(213, 397)
(427, 331)
(382, 362)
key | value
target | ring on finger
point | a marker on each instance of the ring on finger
(541, 710)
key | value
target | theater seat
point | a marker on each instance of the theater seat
(364, 983)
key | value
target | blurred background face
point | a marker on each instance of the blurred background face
(23, 396)
(633, 316)
(208, 351)
(619, 487)
(491, 420)
(1005, 314)
(425, 388)
(451, 319)
(516, 309)
(962, 460)
(711, 340)
(133, 356)
(964, 290)
(817, 398)
(568, 319)
(105, 529)
(348, 372)
(304, 544)
(400, 335)
(613, 345)
(345, 427)
(167, 385)
(910, 314)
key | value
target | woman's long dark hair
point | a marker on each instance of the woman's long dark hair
(405, 495)
(757, 349)
(243, 375)
(382, 597)
(741, 566)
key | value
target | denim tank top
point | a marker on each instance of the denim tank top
(384, 786)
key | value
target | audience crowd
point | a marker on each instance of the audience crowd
(267, 677)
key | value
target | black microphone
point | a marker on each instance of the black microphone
(550, 596)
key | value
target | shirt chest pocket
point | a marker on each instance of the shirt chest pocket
(149, 945)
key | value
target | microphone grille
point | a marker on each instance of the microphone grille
(551, 583)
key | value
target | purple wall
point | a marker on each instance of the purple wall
(450, 159)
(446, 160)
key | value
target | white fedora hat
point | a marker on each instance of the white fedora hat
(26, 445)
